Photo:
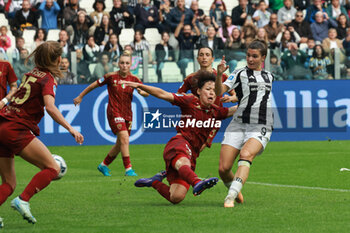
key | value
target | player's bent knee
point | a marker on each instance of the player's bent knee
(177, 198)
(246, 155)
(224, 169)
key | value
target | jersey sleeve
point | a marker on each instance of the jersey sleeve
(11, 77)
(185, 86)
(48, 86)
(102, 81)
(182, 100)
(231, 81)
(222, 113)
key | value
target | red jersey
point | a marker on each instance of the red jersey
(7, 76)
(190, 83)
(197, 122)
(27, 105)
(119, 96)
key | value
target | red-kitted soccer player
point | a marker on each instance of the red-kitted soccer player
(119, 112)
(182, 150)
(205, 59)
(7, 76)
(18, 128)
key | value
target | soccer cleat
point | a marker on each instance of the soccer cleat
(239, 198)
(130, 173)
(23, 208)
(104, 170)
(147, 182)
(1, 223)
(204, 184)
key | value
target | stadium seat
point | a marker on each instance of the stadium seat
(230, 4)
(87, 5)
(126, 36)
(153, 37)
(205, 5)
(109, 5)
(28, 36)
(13, 39)
(4, 21)
(92, 67)
(53, 34)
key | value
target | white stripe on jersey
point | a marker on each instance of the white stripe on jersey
(253, 89)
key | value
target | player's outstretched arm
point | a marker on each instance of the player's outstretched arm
(219, 87)
(155, 91)
(58, 117)
(80, 97)
(143, 93)
(231, 111)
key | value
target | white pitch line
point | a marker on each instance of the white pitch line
(299, 187)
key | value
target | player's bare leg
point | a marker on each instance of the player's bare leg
(177, 193)
(37, 154)
(124, 148)
(183, 166)
(8, 178)
(112, 154)
(228, 155)
(248, 152)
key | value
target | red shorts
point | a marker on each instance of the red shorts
(118, 124)
(175, 148)
(15, 137)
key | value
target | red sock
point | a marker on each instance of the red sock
(126, 162)
(188, 175)
(108, 160)
(162, 189)
(5, 191)
(38, 183)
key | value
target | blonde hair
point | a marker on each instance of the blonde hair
(46, 57)
(126, 53)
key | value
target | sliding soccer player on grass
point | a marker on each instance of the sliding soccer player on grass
(182, 150)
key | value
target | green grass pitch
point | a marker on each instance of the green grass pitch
(293, 187)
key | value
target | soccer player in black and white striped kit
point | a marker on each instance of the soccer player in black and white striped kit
(250, 129)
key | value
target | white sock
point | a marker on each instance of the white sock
(103, 164)
(228, 184)
(128, 169)
(235, 188)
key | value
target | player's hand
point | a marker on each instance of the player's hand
(129, 84)
(227, 99)
(77, 100)
(79, 138)
(2, 104)
(222, 67)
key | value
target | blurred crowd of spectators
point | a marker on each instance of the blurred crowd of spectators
(302, 35)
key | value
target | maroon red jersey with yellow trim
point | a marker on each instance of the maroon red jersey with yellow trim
(7, 76)
(197, 121)
(27, 105)
(119, 96)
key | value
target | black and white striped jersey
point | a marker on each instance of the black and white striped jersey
(253, 90)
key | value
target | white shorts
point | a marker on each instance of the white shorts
(237, 134)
